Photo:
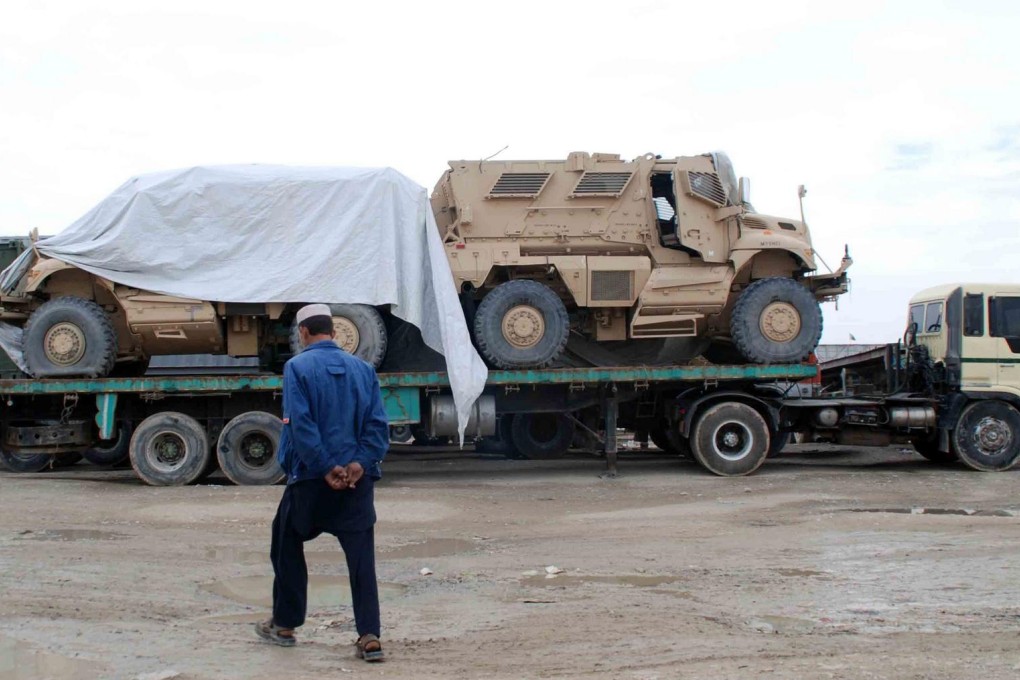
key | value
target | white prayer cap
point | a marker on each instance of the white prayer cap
(309, 311)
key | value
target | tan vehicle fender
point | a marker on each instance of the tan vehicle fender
(42, 270)
(751, 244)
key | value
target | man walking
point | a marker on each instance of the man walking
(335, 434)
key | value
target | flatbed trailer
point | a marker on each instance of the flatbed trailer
(175, 429)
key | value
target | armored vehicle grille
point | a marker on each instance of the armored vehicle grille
(611, 286)
(601, 184)
(519, 185)
(755, 222)
(708, 186)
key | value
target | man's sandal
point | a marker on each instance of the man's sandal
(269, 631)
(369, 648)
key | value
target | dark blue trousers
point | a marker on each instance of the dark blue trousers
(308, 509)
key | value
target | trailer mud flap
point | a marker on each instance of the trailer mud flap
(403, 406)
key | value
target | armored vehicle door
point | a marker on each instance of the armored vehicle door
(703, 187)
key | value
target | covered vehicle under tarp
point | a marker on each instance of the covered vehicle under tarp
(259, 233)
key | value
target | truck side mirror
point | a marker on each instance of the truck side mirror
(744, 190)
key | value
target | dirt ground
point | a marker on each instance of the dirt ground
(828, 563)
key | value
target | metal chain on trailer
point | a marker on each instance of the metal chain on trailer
(70, 402)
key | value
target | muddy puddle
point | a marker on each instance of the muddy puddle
(430, 547)
(802, 573)
(568, 580)
(21, 661)
(67, 535)
(323, 591)
(966, 512)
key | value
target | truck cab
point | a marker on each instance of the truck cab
(973, 330)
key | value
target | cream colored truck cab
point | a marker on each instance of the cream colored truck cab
(618, 250)
(972, 335)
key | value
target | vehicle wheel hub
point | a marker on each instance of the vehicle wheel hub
(992, 436)
(168, 449)
(256, 449)
(523, 326)
(64, 344)
(780, 322)
(347, 336)
(733, 440)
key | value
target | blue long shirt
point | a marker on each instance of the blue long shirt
(333, 414)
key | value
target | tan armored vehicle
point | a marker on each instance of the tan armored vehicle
(616, 250)
(78, 324)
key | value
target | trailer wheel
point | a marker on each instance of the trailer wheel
(776, 321)
(70, 336)
(170, 449)
(541, 436)
(730, 439)
(987, 436)
(360, 330)
(112, 452)
(401, 434)
(247, 449)
(25, 462)
(521, 324)
(928, 446)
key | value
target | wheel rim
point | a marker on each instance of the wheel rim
(64, 344)
(256, 450)
(991, 436)
(347, 336)
(168, 451)
(780, 322)
(733, 440)
(523, 326)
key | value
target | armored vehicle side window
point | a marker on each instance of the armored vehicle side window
(916, 319)
(974, 314)
(1004, 317)
(932, 318)
(665, 209)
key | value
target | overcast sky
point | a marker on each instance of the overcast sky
(901, 118)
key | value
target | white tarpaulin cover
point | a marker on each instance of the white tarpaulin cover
(259, 233)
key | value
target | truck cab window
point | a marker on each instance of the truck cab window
(665, 209)
(1004, 317)
(932, 318)
(916, 320)
(974, 315)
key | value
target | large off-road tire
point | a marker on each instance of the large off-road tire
(360, 330)
(541, 436)
(521, 324)
(110, 453)
(776, 321)
(25, 462)
(70, 336)
(730, 439)
(928, 446)
(170, 449)
(987, 436)
(247, 449)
